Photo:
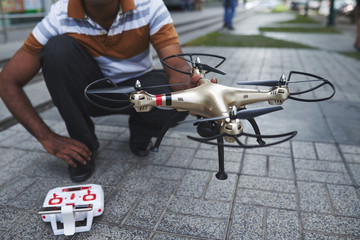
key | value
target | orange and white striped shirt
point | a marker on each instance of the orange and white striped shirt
(123, 52)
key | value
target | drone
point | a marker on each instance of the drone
(219, 109)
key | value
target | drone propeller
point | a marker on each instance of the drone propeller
(252, 113)
(241, 114)
(208, 68)
(266, 83)
(196, 62)
(125, 89)
(207, 140)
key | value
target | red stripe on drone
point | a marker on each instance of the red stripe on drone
(158, 100)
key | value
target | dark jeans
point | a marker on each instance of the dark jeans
(68, 68)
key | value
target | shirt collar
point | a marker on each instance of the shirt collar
(76, 10)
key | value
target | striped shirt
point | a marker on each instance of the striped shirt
(123, 51)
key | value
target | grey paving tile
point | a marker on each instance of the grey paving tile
(8, 217)
(49, 167)
(28, 227)
(103, 231)
(199, 207)
(114, 173)
(160, 236)
(181, 157)
(354, 149)
(8, 155)
(232, 156)
(180, 142)
(352, 157)
(355, 170)
(327, 151)
(314, 197)
(282, 224)
(194, 183)
(122, 153)
(32, 197)
(14, 187)
(268, 184)
(118, 205)
(158, 171)
(193, 226)
(161, 157)
(345, 200)
(282, 150)
(255, 165)
(213, 165)
(320, 165)
(221, 189)
(317, 236)
(266, 198)
(147, 184)
(326, 177)
(280, 167)
(148, 211)
(247, 222)
(304, 150)
(331, 224)
(7, 134)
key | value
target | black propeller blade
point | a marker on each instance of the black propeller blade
(127, 89)
(242, 114)
(209, 68)
(266, 83)
(122, 90)
(252, 113)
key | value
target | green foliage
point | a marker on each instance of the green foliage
(355, 55)
(301, 19)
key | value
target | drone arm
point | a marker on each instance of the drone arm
(241, 97)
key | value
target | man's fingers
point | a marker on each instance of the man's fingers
(74, 155)
(67, 159)
(83, 149)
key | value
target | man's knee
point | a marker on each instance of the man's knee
(58, 50)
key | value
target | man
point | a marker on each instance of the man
(229, 12)
(357, 19)
(81, 41)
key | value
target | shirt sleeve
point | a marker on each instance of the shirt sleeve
(162, 30)
(44, 30)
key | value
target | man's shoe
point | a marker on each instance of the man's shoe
(82, 172)
(140, 145)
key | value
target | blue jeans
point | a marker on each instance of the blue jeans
(229, 12)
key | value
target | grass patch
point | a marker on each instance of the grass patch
(355, 55)
(230, 40)
(300, 29)
(301, 19)
(280, 8)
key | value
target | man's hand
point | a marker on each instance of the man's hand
(194, 81)
(69, 150)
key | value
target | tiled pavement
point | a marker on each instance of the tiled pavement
(307, 188)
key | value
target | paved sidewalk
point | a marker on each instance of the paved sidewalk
(307, 188)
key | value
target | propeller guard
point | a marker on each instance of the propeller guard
(195, 64)
(285, 137)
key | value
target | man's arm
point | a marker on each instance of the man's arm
(19, 71)
(174, 76)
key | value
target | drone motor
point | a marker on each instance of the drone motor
(231, 127)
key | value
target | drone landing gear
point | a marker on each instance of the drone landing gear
(170, 123)
(221, 175)
(257, 131)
